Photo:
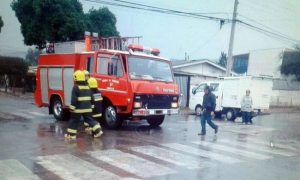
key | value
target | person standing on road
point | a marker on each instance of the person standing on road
(209, 105)
(246, 108)
(81, 106)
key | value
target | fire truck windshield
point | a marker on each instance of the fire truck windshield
(149, 69)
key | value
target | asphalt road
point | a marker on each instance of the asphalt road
(32, 146)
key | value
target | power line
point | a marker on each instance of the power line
(269, 28)
(138, 6)
(269, 32)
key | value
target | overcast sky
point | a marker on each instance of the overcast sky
(175, 35)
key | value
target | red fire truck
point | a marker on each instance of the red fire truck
(134, 81)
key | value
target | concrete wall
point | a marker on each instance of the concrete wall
(282, 98)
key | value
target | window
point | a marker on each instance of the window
(110, 66)
(201, 88)
(90, 64)
(214, 86)
(149, 69)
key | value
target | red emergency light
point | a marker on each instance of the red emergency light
(140, 48)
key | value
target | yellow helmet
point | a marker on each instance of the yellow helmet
(78, 76)
(93, 83)
(86, 72)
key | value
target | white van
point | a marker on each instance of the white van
(229, 92)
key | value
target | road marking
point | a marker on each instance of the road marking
(243, 129)
(24, 115)
(131, 163)
(236, 151)
(170, 156)
(202, 153)
(12, 169)
(38, 114)
(257, 147)
(268, 143)
(68, 167)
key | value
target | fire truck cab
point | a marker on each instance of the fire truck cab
(134, 81)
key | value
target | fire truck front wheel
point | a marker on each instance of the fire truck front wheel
(57, 109)
(155, 120)
(111, 118)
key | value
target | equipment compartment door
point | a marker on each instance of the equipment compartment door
(44, 84)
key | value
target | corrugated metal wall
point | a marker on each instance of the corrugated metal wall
(182, 81)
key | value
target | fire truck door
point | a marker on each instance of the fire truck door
(113, 81)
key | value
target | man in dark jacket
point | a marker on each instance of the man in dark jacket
(209, 105)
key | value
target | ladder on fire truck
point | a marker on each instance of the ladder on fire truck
(93, 43)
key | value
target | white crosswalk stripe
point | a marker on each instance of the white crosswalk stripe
(24, 115)
(170, 156)
(270, 143)
(67, 166)
(254, 147)
(131, 163)
(38, 114)
(236, 151)
(246, 129)
(12, 169)
(202, 153)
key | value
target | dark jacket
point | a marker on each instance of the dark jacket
(209, 102)
(96, 102)
(81, 98)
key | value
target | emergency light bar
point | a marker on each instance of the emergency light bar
(139, 48)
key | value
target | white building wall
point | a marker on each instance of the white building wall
(265, 62)
(204, 69)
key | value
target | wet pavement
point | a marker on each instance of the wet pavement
(32, 147)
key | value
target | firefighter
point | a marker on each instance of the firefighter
(87, 127)
(96, 98)
(81, 106)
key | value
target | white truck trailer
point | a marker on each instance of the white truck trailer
(229, 92)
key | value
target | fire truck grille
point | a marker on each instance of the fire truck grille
(156, 101)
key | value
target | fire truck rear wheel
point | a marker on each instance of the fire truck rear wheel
(111, 118)
(155, 120)
(57, 109)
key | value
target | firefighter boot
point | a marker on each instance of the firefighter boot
(71, 134)
(97, 132)
(87, 128)
(70, 137)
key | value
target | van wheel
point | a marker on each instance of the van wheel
(57, 109)
(111, 119)
(156, 120)
(198, 110)
(230, 115)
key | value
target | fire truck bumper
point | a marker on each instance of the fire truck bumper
(150, 112)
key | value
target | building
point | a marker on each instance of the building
(267, 62)
(193, 72)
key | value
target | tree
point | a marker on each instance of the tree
(49, 21)
(101, 21)
(291, 63)
(223, 59)
(32, 56)
(1, 23)
(12, 71)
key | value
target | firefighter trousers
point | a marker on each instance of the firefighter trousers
(75, 122)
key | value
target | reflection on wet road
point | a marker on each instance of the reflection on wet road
(33, 147)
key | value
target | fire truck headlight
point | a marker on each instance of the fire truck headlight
(137, 105)
(174, 105)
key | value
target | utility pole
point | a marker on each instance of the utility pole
(230, 58)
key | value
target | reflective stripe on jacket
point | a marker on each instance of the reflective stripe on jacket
(81, 99)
